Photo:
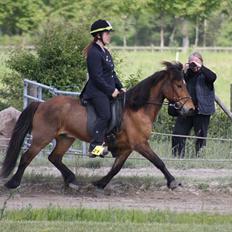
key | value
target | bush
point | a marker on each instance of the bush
(57, 61)
(165, 123)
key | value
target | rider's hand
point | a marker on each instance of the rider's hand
(115, 93)
(123, 90)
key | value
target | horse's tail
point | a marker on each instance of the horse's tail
(22, 127)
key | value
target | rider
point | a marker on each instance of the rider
(102, 84)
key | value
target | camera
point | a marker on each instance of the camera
(192, 65)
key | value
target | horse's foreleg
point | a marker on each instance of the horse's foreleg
(146, 151)
(118, 163)
(62, 145)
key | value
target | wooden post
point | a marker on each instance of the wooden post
(223, 107)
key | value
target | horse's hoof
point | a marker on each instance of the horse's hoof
(74, 185)
(174, 184)
(99, 190)
(98, 187)
(11, 184)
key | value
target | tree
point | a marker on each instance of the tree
(224, 33)
(58, 62)
(162, 10)
(17, 17)
(195, 11)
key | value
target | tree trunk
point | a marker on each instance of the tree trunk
(161, 33)
(196, 33)
(124, 40)
(171, 38)
(185, 33)
(205, 32)
(125, 31)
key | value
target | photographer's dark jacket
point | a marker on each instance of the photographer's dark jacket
(102, 77)
(201, 89)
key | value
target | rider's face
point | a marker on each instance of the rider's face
(106, 37)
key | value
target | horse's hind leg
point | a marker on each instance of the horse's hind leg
(118, 163)
(25, 160)
(62, 145)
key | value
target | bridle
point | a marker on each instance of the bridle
(175, 103)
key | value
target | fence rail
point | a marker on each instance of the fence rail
(163, 148)
(139, 48)
(37, 90)
(176, 49)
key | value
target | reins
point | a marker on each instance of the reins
(174, 104)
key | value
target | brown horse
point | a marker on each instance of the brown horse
(65, 119)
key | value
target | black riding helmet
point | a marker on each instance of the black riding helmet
(100, 26)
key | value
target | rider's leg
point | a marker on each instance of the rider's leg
(102, 107)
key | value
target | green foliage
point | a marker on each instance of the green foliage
(136, 22)
(21, 16)
(225, 35)
(220, 125)
(115, 215)
(60, 226)
(11, 90)
(165, 124)
(58, 61)
(133, 79)
(94, 164)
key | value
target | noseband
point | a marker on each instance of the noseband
(176, 103)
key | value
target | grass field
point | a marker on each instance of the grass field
(57, 219)
(83, 219)
(48, 226)
(148, 62)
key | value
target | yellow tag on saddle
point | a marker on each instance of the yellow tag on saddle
(98, 150)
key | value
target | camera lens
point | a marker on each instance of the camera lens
(192, 65)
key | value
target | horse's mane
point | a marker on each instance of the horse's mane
(138, 96)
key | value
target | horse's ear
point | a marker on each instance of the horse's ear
(171, 65)
(179, 66)
(167, 64)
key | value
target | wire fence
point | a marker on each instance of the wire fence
(218, 150)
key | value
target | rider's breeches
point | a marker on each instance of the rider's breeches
(102, 108)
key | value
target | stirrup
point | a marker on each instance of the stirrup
(99, 151)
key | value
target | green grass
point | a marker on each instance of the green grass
(81, 219)
(45, 226)
(149, 62)
(114, 215)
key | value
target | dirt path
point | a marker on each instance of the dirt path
(148, 171)
(209, 196)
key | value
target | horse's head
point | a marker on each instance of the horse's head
(174, 89)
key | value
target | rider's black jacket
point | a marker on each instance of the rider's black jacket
(102, 77)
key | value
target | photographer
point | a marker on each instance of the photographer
(199, 81)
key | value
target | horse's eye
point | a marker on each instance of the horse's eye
(179, 86)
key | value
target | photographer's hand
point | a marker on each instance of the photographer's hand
(197, 62)
(186, 67)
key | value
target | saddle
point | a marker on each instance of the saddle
(117, 106)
